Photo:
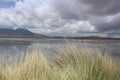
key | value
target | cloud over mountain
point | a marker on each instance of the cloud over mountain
(62, 16)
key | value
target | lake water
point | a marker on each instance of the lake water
(11, 47)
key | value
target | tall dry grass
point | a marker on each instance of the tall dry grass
(69, 63)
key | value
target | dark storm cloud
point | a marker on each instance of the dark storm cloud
(100, 7)
(84, 8)
(87, 9)
(103, 7)
(69, 9)
(109, 23)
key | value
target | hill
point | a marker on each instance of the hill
(18, 33)
(24, 33)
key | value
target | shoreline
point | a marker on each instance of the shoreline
(63, 38)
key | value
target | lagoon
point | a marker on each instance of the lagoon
(11, 47)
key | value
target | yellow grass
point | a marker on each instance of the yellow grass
(69, 63)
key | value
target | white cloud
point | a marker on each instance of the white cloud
(77, 26)
(39, 16)
(53, 16)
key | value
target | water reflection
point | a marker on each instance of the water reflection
(11, 47)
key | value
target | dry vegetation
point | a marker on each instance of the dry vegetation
(69, 63)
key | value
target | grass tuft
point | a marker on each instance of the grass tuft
(69, 63)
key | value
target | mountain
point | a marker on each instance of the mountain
(19, 32)
(23, 32)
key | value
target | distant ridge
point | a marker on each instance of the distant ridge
(19, 32)
(24, 33)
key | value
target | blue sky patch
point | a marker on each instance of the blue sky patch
(4, 4)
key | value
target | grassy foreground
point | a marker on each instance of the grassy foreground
(69, 63)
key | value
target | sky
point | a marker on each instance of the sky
(62, 17)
